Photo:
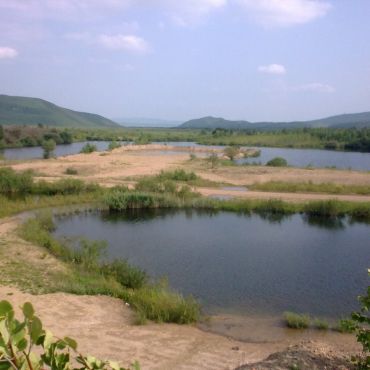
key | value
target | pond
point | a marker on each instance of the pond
(240, 264)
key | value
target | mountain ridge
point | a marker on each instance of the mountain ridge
(346, 120)
(21, 110)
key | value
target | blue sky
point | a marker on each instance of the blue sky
(170, 59)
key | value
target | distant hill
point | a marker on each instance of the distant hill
(146, 122)
(17, 110)
(340, 121)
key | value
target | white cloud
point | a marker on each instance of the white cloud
(7, 53)
(274, 69)
(316, 87)
(285, 12)
(130, 43)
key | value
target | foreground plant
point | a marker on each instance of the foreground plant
(27, 346)
(362, 328)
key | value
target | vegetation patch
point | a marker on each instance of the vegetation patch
(90, 274)
(296, 321)
(88, 148)
(277, 162)
(310, 187)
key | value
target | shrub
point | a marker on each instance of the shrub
(160, 304)
(213, 160)
(296, 321)
(320, 324)
(277, 162)
(113, 145)
(178, 175)
(329, 208)
(192, 156)
(231, 152)
(88, 148)
(346, 325)
(15, 183)
(19, 338)
(362, 327)
(48, 146)
(71, 171)
(63, 187)
(127, 275)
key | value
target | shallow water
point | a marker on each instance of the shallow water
(303, 157)
(240, 264)
(60, 150)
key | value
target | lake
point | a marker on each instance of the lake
(240, 264)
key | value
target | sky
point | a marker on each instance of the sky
(258, 60)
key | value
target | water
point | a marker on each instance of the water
(240, 264)
(60, 150)
(301, 157)
(314, 158)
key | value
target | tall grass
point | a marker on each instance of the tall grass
(310, 187)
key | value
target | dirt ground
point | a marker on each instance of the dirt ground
(103, 327)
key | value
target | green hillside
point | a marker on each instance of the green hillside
(16, 110)
(358, 120)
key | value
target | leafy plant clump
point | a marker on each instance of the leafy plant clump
(361, 320)
(26, 345)
(48, 146)
(71, 171)
(114, 145)
(277, 162)
(88, 148)
(296, 321)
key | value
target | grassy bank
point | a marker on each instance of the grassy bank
(309, 187)
(88, 273)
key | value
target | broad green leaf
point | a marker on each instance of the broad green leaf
(22, 344)
(4, 331)
(28, 310)
(114, 365)
(5, 366)
(48, 339)
(5, 308)
(71, 342)
(35, 329)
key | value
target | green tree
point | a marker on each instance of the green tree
(231, 152)
(48, 146)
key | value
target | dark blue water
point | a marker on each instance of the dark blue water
(237, 263)
(60, 150)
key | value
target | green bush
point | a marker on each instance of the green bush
(320, 324)
(159, 304)
(71, 171)
(48, 146)
(63, 187)
(329, 208)
(15, 183)
(346, 325)
(178, 175)
(127, 275)
(296, 321)
(27, 345)
(231, 152)
(88, 148)
(362, 328)
(277, 162)
(114, 145)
